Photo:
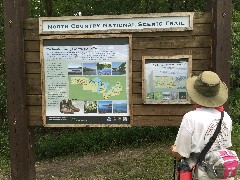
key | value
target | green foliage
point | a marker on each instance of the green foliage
(235, 67)
(2, 70)
(235, 104)
(235, 62)
(79, 142)
(236, 4)
(36, 8)
(4, 144)
(114, 7)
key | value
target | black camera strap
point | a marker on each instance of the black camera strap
(203, 153)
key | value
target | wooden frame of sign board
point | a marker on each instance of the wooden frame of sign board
(163, 80)
(69, 120)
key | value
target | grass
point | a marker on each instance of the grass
(154, 163)
(81, 141)
(4, 150)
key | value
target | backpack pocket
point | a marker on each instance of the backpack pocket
(221, 164)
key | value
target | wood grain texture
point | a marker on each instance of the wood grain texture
(21, 136)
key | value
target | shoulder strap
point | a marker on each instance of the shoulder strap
(210, 142)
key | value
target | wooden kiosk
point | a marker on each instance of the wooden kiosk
(178, 42)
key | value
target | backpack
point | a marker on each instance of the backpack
(221, 164)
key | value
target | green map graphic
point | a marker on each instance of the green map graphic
(86, 88)
(164, 82)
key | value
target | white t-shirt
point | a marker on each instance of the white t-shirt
(197, 128)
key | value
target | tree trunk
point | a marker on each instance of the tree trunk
(48, 7)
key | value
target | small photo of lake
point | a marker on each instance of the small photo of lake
(104, 107)
(89, 69)
(166, 96)
(75, 69)
(104, 68)
(118, 68)
(120, 107)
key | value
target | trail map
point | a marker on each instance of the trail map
(98, 88)
(87, 81)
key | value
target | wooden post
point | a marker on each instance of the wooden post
(20, 134)
(221, 39)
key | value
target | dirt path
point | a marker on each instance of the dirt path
(64, 168)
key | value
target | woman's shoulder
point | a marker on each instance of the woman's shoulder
(209, 114)
(194, 113)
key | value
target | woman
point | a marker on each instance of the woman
(197, 126)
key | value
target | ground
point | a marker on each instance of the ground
(153, 162)
(64, 168)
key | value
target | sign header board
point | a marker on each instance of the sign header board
(121, 23)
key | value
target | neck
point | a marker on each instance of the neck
(219, 108)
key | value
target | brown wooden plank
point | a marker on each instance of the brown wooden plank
(31, 35)
(169, 42)
(137, 99)
(202, 18)
(157, 120)
(34, 100)
(152, 43)
(34, 114)
(137, 77)
(161, 109)
(32, 57)
(33, 84)
(31, 23)
(197, 53)
(32, 46)
(33, 68)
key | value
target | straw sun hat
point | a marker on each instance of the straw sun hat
(207, 89)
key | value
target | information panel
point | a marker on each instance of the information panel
(164, 80)
(86, 80)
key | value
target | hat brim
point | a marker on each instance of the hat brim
(215, 101)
